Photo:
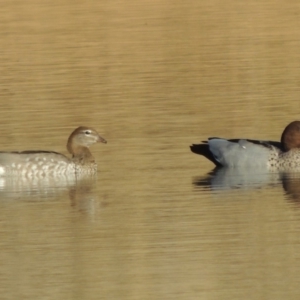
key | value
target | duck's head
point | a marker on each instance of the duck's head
(83, 137)
(290, 137)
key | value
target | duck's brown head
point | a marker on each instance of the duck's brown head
(82, 138)
(290, 137)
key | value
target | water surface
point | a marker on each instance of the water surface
(152, 77)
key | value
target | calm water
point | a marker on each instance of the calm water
(152, 77)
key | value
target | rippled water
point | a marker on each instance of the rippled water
(152, 77)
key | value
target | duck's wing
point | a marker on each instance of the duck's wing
(267, 144)
(236, 152)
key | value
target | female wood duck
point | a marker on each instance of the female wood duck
(244, 153)
(49, 163)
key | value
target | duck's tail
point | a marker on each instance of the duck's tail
(203, 149)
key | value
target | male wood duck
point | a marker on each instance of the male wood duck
(49, 163)
(245, 153)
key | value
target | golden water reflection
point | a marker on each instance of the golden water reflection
(153, 78)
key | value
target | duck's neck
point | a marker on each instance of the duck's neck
(82, 155)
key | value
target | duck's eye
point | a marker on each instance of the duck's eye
(87, 132)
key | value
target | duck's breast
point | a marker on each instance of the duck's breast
(289, 160)
(242, 153)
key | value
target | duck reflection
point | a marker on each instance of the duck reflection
(80, 190)
(221, 179)
(291, 185)
(235, 178)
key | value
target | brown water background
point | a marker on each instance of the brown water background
(152, 77)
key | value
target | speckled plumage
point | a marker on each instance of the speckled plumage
(288, 161)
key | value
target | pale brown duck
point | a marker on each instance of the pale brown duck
(49, 163)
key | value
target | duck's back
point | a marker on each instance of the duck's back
(35, 163)
(243, 153)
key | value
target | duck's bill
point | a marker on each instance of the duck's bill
(101, 140)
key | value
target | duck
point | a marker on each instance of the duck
(248, 153)
(40, 163)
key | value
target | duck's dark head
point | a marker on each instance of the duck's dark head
(290, 138)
